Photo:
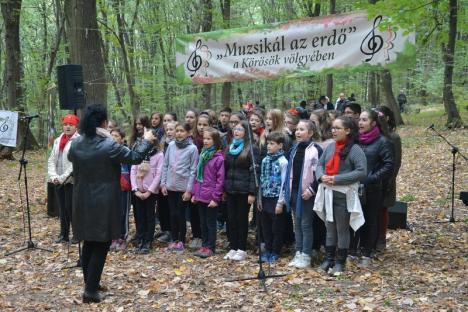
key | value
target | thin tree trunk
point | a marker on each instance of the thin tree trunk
(330, 76)
(207, 7)
(227, 86)
(386, 80)
(453, 116)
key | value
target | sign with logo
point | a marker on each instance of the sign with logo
(292, 49)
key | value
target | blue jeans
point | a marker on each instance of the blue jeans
(303, 229)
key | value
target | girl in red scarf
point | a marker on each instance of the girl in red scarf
(343, 163)
(59, 172)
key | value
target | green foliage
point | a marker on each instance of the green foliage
(151, 28)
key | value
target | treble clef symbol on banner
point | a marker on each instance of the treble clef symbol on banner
(372, 43)
(194, 61)
(4, 125)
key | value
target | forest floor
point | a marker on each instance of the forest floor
(423, 269)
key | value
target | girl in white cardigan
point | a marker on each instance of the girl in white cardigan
(60, 173)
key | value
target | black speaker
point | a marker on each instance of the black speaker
(70, 86)
(397, 216)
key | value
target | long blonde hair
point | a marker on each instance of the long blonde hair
(277, 117)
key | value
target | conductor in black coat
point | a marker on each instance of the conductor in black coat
(96, 162)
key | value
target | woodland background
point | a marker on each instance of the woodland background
(127, 50)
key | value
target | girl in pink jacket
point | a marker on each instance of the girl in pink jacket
(145, 179)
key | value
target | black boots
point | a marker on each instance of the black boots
(339, 267)
(92, 297)
(329, 259)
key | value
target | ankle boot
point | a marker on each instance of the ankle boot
(329, 258)
(90, 297)
(340, 265)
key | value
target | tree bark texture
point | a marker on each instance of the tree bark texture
(453, 116)
(227, 86)
(85, 47)
(386, 81)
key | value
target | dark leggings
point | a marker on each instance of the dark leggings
(366, 237)
(146, 220)
(238, 220)
(177, 209)
(208, 225)
(93, 258)
(163, 213)
(64, 193)
(195, 220)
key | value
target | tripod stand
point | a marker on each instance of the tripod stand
(23, 163)
(261, 276)
(454, 152)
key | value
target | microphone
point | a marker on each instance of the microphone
(29, 117)
(430, 127)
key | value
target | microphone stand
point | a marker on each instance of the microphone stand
(261, 276)
(454, 151)
(23, 163)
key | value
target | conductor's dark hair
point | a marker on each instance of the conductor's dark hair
(93, 117)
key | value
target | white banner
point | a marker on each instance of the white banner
(8, 128)
(293, 49)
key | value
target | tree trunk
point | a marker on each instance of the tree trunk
(330, 76)
(372, 89)
(227, 86)
(11, 12)
(206, 26)
(386, 82)
(85, 47)
(453, 116)
(126, 58)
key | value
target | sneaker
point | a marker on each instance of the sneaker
(295, 259)
(240, 255)
(121, 245)
(274, 258)
(144, 248)
(165, 238)
(265, 257)
(303, 262)
(365, 262)
(229, 255)
(179, 247)
(204, 252)
(196, 243)
(172, 246)
(113, 246)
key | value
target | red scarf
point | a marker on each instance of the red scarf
(333, 165)
(259, 131)
(63, 141)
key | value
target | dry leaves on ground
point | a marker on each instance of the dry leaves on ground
(423, 269)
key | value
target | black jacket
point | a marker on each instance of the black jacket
(96, 193)
(239, 176)
(380, 161)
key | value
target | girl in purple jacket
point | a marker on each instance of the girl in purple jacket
(208, 189)
(145, 179)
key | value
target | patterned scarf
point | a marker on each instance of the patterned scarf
(205, 156)
(236, 147)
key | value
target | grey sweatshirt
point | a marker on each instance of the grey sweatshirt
(179, 168)
(352, 169)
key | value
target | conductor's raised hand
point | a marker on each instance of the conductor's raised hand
(148, 135)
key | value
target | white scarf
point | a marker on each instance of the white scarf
(324, 197)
